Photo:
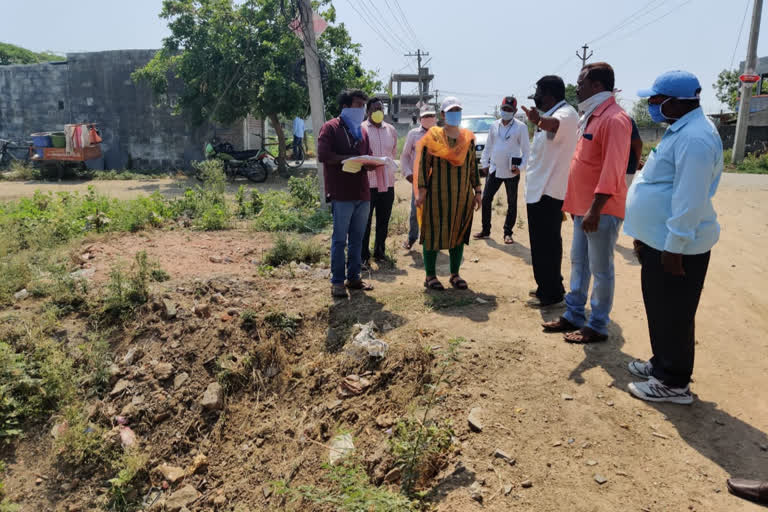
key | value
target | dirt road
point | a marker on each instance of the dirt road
(562, 411)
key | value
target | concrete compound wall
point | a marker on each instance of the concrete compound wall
(97, 87)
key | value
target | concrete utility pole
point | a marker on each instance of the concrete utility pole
(742, 123)
(314, 82)
(419, 54)
(583, 56)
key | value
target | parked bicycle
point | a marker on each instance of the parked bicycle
(12, 152)
(294, 162)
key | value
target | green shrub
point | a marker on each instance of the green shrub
(349, 490)
(81, 443)
(127, 291)
(281, 213)
(288, 249)
(132, 472)
(304, 191)
(283, 323)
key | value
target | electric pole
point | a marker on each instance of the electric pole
(314, 82)
(742, 123)
(583, 56)
(419, 54)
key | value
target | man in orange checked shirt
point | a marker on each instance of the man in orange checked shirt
(597, 191)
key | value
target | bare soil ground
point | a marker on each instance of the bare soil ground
(562, 411)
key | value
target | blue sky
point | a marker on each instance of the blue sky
(480, 49)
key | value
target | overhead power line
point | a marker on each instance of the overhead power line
(741, 29)
(375, 30)
(407, 23)
(390, 32)
(638, 29)
(636, 15)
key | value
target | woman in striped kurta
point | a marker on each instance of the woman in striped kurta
(449, 191)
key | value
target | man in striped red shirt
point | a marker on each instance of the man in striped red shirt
(382, 141)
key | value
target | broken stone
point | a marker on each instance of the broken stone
(499, 454)
(266, 491)
(393, 475)
(566, 397)
(127, 437)
(215, 259)
(475, 425)
(181, 498)
(476, 492)
(133, 355)
(341, 445)
(202, 310)
(526, 484)
(218, 298)
(600, 479)
(591, 463)
(233, 312)
(352, 385)
(169, 309)
(333, 404)
(213, 399)
(220, 500)
(121, 386)
(83, 273)
(481, 300)
(163, 371)
(385, 421)
(59, 429)
(507, 489)
(199, 464)
(259, 442)
(180, 379)
(171, 473)
(21, 294)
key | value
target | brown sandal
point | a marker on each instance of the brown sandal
(559, 325)
(433, 283)
(360, 285)
(509, 240)
(458, 283)
(585, 335)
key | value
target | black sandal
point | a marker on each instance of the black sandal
(433, 284)
(458, 283)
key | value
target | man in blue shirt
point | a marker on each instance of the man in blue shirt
(670, 216)
(298, 137)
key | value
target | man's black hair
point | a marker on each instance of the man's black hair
(371, 101)
(552, 85)
(347, 96)
(601, 72)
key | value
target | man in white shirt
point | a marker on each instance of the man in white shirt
(382, 141)
(298, 137)
(504, 156)
(428, 118)
(546, 181)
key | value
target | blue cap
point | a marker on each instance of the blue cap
(677, 84)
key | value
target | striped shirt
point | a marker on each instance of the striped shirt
(382, 141)
(449, 205)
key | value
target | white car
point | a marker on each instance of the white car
(480, 126)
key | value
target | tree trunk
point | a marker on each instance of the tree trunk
(281, 168)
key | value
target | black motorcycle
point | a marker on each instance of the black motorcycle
(250, 164)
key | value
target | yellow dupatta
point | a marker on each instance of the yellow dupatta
(436, 142)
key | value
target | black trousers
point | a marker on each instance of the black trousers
(670, 305)
(381, 203)
(492, 185)
(545, 219)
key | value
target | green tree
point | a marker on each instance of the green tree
(239, 58)
(727, 88)
(11, 54)
(640, 113)
(571, 97)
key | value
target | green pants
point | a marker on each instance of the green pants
(455, 255)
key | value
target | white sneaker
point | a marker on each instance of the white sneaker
(655, 391)
(642, 369)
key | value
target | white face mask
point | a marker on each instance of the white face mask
(507, 116)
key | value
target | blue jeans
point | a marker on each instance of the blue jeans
(413, 232)
(349, 221)
(592, 255)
